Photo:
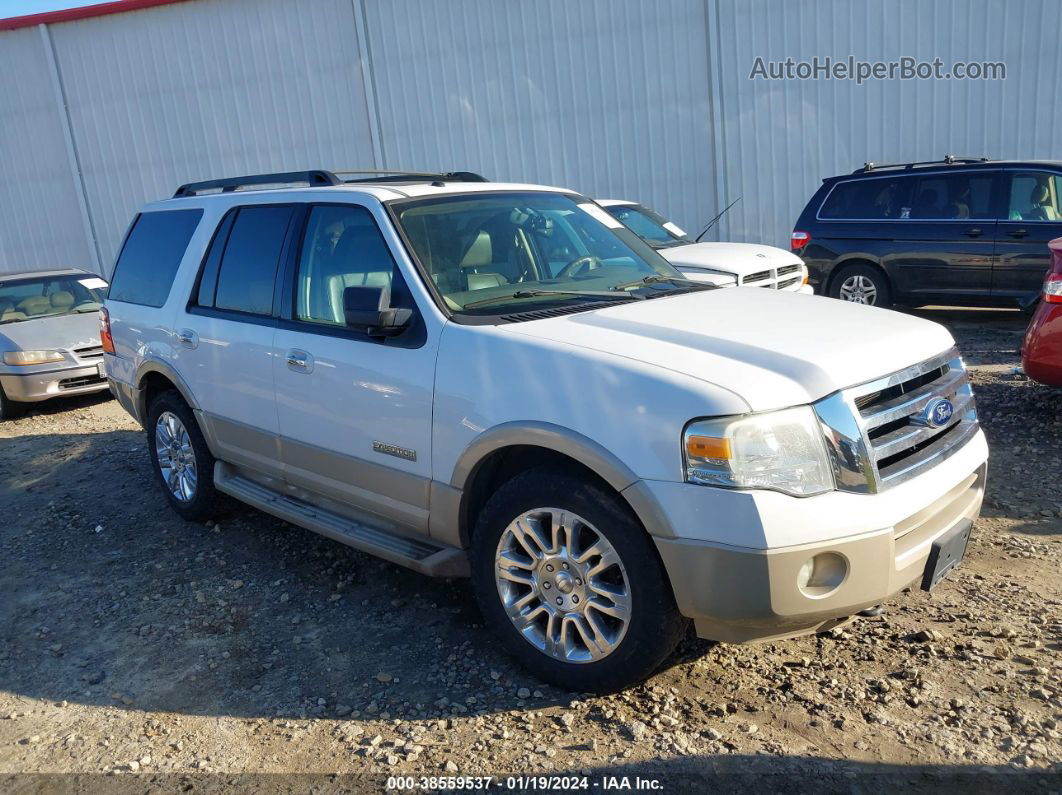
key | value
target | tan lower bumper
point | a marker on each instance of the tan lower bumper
(741, 595)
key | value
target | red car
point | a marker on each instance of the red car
(1041, 354)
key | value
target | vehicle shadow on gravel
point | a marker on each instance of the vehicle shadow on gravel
(109, 599)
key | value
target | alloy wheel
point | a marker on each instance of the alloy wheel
(563, 585)
(859, 289)
(176, 457)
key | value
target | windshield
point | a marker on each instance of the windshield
(489, 252)
(654, 229)
(49, 296)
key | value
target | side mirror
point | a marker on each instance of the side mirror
(369, 309)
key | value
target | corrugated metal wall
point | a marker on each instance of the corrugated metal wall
(616, 98)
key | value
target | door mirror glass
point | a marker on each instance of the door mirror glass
(369, 310)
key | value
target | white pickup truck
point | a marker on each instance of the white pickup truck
(720, 263)
(503, 381)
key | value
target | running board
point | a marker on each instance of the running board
(420, 554)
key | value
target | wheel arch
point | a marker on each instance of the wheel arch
(511, 448)
(858, 259)
(154, 377)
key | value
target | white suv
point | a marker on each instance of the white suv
(503, 381)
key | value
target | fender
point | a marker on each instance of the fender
(158, 366)
(447, 500)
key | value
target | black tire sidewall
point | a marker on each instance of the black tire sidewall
(881, 282)
(655, 626)
(9, 409)
(202, 504)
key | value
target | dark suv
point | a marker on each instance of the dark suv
(960, 231)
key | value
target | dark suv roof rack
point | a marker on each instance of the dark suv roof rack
(321, 178)
(314, 179)
(386, 175)
(949, 160)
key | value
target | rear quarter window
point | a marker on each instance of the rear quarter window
(151, 255)
(867, 199)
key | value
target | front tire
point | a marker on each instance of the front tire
(862, 284)
(572, 584)
(182, 462)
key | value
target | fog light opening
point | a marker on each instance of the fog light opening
(822, 575)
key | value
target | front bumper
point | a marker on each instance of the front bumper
(739, 594)
(31, 387)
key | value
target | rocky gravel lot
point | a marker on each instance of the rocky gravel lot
(134, 642)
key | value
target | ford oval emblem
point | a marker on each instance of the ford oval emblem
(938, 412)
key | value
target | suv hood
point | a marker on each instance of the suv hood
(774, 349)
(62, 332)
(738, 258)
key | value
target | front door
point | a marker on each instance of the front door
(354, 411)
(1033, 217)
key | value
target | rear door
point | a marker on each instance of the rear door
(945, 242)
(225, 340)
(1033, 215)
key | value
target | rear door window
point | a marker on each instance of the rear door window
(867, 199)
(248, 269)
(152, 252)
(953, 196)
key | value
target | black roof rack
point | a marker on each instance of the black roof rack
(321, 178)
(314, 179)
(949, 160)
(386, 175)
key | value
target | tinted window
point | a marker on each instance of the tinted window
(953, 196)
(1035, 197)
(342, 248)
(870, 199)
(249, 265)
(152, 252)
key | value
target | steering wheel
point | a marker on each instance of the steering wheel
(578, 266)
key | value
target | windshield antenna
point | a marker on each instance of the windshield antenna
(712, 222)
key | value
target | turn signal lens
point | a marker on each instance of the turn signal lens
(798, 240)
(707, 447)
(105, 331)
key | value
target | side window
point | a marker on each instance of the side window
(342, 248)
(868, 199)
(953, 196)
(1034, 197)
(152, 252)
(248, 269)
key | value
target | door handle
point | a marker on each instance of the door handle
(300, 361)
(1019, 233)
(188, 338)
(975, 232)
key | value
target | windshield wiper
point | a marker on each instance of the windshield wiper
(607, 295)
(659, 278)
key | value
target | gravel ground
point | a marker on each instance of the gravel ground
(136, 642)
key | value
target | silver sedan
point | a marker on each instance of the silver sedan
(49, 336)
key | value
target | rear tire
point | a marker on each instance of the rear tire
(9, 409)
(578, 646)
(182, 462)
(862, 284)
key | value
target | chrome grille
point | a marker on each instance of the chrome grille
(876, 432)
(773, 278)
(89, 353)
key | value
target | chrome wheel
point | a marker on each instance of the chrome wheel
(563, 585)
(173, 448)
(859, 289)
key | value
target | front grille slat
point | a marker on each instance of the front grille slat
(912, 402)
(890, 442)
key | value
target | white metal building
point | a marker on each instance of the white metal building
(104, 108)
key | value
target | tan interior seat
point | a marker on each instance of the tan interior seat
(61, 299)
(35, 305)
(361, 259)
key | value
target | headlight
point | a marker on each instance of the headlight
(23, 358)
(780, 450)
